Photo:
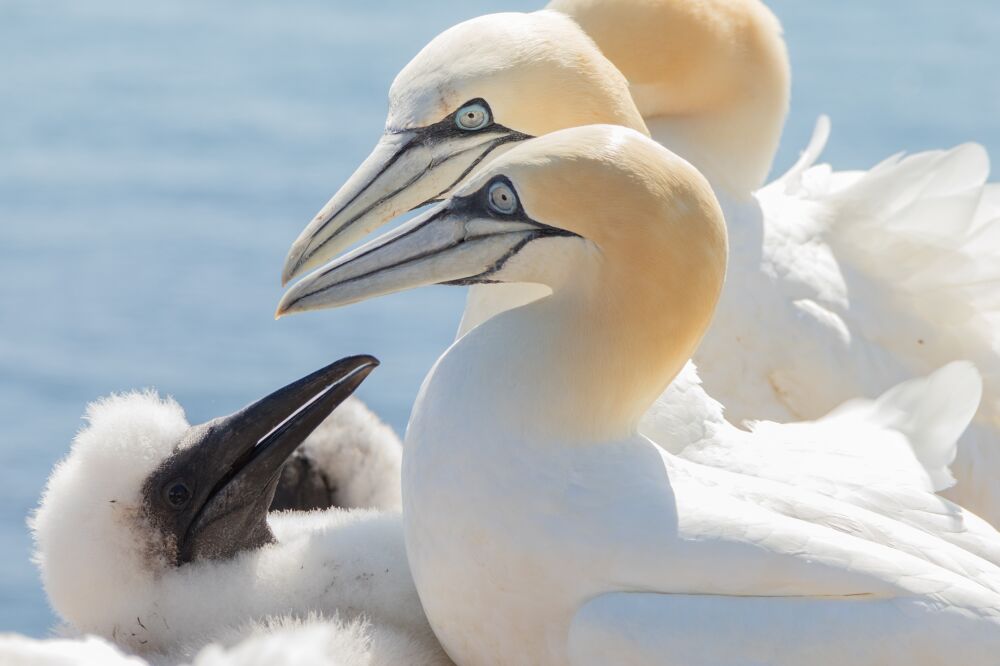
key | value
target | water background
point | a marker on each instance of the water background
(158, 158)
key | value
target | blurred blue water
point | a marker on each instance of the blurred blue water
(157, 159)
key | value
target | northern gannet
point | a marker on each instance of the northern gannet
(841, 284)
(540, 526)
(155, 534)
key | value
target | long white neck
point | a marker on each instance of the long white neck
(710, 77)
(488, 300)
(583, 363)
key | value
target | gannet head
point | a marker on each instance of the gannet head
(473, 92)
(598, 210)
(711, 77)
(142, 492)
(628, 237)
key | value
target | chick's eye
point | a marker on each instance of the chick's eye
(472, 116)
(177, 494)
(502, 198)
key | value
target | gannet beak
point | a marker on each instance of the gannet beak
(406, 170)
(448, 244)
(235, 462)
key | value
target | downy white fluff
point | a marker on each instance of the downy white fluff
(104, 571)
(359, 457)
(315, 641)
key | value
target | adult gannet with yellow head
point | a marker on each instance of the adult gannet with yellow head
(872, 278)
(541, 528)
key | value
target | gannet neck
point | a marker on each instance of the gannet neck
(485, 301)
(629, 238)
(627, 309)
(711, 78)
(594, 357)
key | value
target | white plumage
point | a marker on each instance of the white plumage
(320, 641)
(105, 573)
(541, 526)
(881, 275)
(314, 641)
(357, 457)
(86, 651)
(840, 284)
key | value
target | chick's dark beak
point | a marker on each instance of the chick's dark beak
(224, 475)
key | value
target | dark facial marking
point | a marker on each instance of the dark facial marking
(429, 135)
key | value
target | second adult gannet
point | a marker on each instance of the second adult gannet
(155, 534)
(872, 277)
(542, 528)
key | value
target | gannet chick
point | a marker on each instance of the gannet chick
(154, 534)
(872, 277)
(351, 460)
(87, 651)
(314, 641)
(321, 642)
(541, 526)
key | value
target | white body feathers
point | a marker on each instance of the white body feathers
(359, 455)
(104, 574)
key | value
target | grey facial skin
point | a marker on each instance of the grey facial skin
(400, 170)
(477, 238)
(211, 497)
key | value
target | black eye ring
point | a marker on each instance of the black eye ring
(474, 115)
(177, 494)
(501, 197)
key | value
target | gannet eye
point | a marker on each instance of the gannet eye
(177, 494)
(502, 198)
(473, 116)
